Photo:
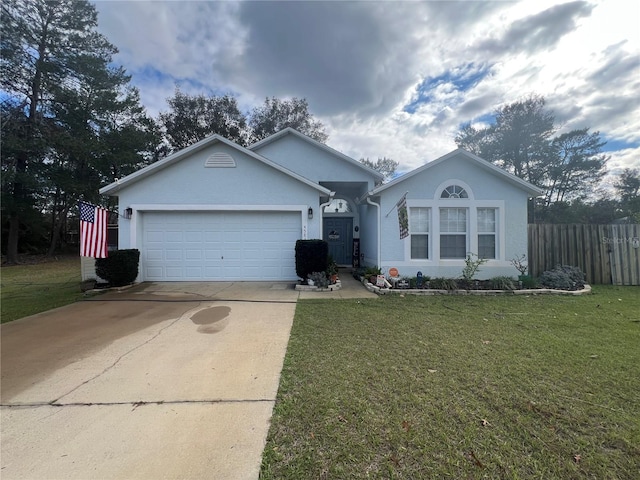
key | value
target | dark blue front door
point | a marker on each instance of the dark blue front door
(338, 232)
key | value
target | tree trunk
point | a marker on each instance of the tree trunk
(56, 234)
(55, 237)
(12, 239)
(18, 193)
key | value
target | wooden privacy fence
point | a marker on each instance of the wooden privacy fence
(608, 254)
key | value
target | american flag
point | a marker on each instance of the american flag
(93, 231)
(403, 217)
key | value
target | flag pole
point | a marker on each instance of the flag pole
(110, 211)
(403, 196)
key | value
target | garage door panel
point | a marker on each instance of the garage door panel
(193, 237)
(174, 273)
(211, 272)
(232, 254)
(173, 237)
(193, 272)
(220, 246)
(193, 254)
(271, 254)
(212, 254)
(173, 255)
(155, 254)
(210, 236)
(232, 237)
(154, 236)
(153, 272)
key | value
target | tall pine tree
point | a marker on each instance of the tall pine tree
(66, 100)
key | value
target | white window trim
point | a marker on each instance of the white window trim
(495, 233)
(467, 232)
(427, 233)
(448, 183)
(472, 229)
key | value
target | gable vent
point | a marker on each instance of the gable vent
(220, 160)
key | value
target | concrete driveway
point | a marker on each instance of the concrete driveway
(171, 380)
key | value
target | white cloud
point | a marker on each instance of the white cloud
(359, 63)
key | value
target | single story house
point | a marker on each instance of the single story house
(220, 211)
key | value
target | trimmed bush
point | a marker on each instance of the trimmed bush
(563, 277)
(528, 281)
(311, 256)
(119, 268)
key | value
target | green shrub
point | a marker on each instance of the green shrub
(332, 266)
(413, 281)
(358, 273)
(503, 283)
(311, 256)
(372, 272)
(320, 279)
(472, 266)
(528, 281)
(369, 271)
(563, 277)
(119, 268)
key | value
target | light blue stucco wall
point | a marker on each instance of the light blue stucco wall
(369, 234)
(312, 162)
(187, 182)
(488, 190)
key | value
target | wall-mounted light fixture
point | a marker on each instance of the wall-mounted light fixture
(128, 212)
(310, 212)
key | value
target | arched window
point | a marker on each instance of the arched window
(454, 191)
(338, 205)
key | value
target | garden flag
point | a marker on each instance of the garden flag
(403, 217)
(93, 231)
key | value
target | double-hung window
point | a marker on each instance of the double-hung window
(419, 219)
(487, 232)
(453, 232)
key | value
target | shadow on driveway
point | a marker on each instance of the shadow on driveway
(36, 346)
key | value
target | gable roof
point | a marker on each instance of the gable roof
(196, 147)
(499, 172)
(290, 131)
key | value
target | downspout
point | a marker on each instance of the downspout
(377, 205)
(322, 205)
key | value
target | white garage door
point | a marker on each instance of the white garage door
(219, 245)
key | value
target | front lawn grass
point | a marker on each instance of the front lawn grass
(456, 387)
(30, 289)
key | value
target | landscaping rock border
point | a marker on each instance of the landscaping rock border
(529, 291)
(310, 288)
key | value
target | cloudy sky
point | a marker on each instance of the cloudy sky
(394, 79)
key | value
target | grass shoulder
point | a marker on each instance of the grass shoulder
(32, 288)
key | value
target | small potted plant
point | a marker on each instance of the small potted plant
(332, 271)
(521, 265)
(371, 274)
